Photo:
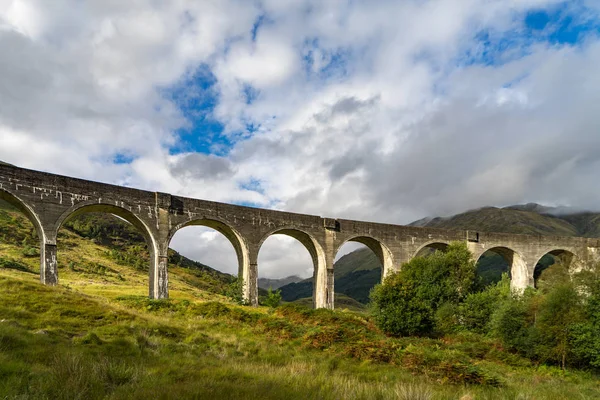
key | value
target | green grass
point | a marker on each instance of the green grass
(97, 336)
(342, 302)
(61, 343)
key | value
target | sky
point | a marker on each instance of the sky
(379, 110)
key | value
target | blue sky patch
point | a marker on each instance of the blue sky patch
(123, 158)
(196, 96)
(569, 23)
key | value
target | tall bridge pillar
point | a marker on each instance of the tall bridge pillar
(48, 264)
(249, 276)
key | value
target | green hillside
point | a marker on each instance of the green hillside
(531, 219)
(355, 274)
(358, 260)
(276, 283)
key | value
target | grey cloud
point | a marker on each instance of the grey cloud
(202, 166)
(346, 106)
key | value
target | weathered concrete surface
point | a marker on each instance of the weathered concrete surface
(48, 200)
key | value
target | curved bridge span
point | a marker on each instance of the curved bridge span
(48, 200)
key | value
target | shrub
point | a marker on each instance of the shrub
(510, 323)
(407, 301)
(30, 252)
(235, 291)
(476, 311)
(273, 298)
(446, 318)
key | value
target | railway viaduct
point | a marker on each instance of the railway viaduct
(48, 200)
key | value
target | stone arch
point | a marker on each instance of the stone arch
(234, 237)
(127, 215)
(381, 251)
(520, 275)
(435, 245)
(567, 257)
(158, 285)
(323, 279)
(20, 205)
(48, 271)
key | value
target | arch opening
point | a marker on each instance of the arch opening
(119, 250)
(359, 266)
(553, 267)
(21, 237)
(496, 261)
(206, 253)
(430, 248)
(295, 258)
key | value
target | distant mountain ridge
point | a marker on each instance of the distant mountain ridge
(276, 283)
(531, 218)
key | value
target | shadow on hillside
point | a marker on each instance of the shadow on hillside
(12, 264)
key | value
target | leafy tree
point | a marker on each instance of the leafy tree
(560, 311)
(235, 291)
(539, 324)
(407, 301)
(585, 336)
(273, 298)
(476, 311)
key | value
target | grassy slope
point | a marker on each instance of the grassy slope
(342, 302)
(97, 336)
(111, 264)
(62, 344)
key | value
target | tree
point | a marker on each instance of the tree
(477, 309)
(560, 311)
(273, 298)
(585, 336)
(407, 301)
(235, 291)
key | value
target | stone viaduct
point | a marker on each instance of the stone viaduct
(48, 200)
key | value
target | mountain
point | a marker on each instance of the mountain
(507, 220)
(357, 272)
(531, 219)
(266, 283)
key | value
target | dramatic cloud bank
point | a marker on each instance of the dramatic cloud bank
(376, 110)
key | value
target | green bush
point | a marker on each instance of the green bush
(446, 318)
(511, 324)
(30, 251)
(235, 291)
(407, 301)
(273, 298)
(476, 311)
